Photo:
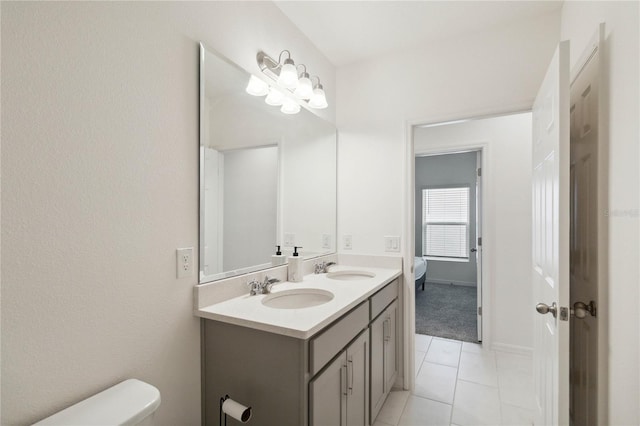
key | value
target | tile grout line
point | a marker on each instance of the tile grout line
(425, 356)
(455, 386)
(404, 407)
(495, 360)
(416, 375)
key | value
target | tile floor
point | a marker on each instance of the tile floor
(460, 383)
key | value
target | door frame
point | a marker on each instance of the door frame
(479, 148)
(408, 294)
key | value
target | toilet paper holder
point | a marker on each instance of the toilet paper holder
(234, 409)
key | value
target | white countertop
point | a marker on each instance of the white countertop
(248, 311)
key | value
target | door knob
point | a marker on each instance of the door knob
(473, 250)
(580, 310)
(543, 308)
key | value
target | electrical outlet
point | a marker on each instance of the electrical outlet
(347, 242)
(326, 241)
(184, 262)
(289, 239)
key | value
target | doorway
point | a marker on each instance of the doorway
(504, 221)
(504, 139)
(447, 196)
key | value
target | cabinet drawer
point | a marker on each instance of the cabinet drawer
(381, 299)
(325, 346)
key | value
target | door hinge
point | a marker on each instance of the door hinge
(479, 241)
(479, 310)
(479, 171)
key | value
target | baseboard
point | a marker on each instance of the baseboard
(514, 349)
(452, 282)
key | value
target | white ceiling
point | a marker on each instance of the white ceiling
(351, 31)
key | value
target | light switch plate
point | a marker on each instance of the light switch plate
(392, 243)
(326, 241)
(347, 242)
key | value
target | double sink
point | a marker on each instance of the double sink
(309, 297)
(298, 309)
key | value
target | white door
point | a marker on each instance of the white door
(550, 275)
(587, 244)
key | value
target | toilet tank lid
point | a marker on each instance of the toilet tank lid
(126, 403)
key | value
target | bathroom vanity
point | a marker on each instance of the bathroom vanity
(329, 364)
(318, 352)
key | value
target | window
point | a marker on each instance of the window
(445, 218)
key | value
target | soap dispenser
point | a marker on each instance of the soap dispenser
(295, 268)
(278, 258)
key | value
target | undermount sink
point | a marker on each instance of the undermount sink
(350, 275)
(297, 298)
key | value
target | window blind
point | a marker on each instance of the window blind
(445, 213)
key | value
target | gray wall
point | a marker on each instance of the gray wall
(449, 169)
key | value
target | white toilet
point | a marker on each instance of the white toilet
(131, 402)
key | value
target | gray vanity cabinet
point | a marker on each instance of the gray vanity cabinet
(338, 395)
(383, 354)
(263, 370)
(276, 374)
(339, 376)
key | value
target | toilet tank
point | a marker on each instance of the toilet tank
(128, 403)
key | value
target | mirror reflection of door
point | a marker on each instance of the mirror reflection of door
(241, 192)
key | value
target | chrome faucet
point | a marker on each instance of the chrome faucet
(257, 287)
(321, 268)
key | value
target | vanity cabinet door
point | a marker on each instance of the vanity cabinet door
(383, 357)
(377, 329)
(390, 341)
(338, 396)
(328, 394)
(358, 381)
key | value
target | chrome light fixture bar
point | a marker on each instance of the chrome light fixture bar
(284, 73)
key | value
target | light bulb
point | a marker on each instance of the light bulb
(288, 75)
(289, 106)
(275, 97)
(257, 87)
(305, 88)
(318, 99)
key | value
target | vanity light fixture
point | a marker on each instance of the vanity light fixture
(285, 76)
(318, 98)
(257, 87)
(288, 77)
(305, 87)
(289, 106)
(275, 97)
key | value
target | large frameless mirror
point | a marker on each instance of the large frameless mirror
(267, 179)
